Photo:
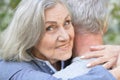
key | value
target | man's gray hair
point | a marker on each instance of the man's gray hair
(89, 15)
(25, 29)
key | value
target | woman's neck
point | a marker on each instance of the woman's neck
(54, 63)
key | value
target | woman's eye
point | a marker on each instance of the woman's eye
(49, 28)
(67, 22)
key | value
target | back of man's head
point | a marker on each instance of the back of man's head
(89, 15)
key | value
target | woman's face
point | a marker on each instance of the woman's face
(57, 42)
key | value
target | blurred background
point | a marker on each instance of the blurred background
(7, 8)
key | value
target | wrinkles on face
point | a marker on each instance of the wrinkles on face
(57, 42)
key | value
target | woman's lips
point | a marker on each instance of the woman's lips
(64, 46)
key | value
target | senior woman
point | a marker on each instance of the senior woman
(37, 41)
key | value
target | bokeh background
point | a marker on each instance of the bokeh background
(7, 8)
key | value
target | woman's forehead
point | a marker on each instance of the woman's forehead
(59, 11)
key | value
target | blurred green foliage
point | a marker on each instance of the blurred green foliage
(7, 8)
(116, 12)
(113, 34)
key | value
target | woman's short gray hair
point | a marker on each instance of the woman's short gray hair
(89, 15)
(26, 29)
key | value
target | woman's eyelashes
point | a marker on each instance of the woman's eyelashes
(67, 24)
(50, 28)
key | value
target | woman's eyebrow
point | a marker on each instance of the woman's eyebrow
(67, 16)
(53, 22)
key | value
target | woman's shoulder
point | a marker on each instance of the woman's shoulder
(9, 68)
(22, 71)
(14, 64)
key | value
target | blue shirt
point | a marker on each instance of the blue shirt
(39, 70)
(76, 68)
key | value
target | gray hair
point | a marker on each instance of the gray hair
(26, 29)
(89, 15)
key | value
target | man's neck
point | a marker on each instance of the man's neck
(84, 41)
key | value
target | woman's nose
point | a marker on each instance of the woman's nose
(63, 35)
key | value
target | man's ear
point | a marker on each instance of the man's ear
(105, 25)
(105, 28)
